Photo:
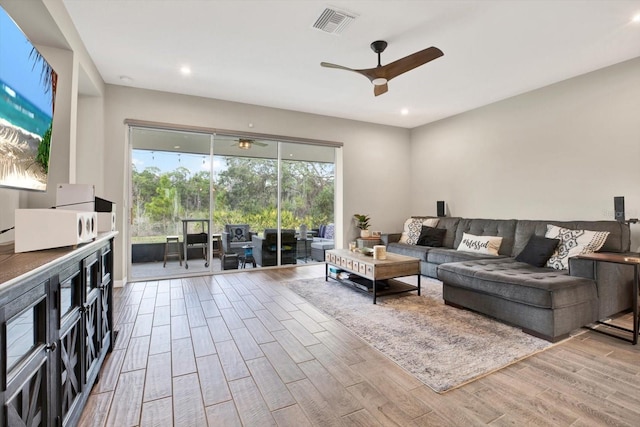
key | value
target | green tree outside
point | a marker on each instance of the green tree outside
(245, 192)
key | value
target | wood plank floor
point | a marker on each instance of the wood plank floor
(240, 350)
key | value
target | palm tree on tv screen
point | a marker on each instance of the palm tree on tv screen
(49, 80)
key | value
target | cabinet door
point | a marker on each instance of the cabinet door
(91, 315)
(27, 361)
(69, 322)
(106, 297)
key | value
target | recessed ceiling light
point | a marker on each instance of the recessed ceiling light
(636, 18)
(404, 111)
(125, 79)
(185, 70)
(176, 146)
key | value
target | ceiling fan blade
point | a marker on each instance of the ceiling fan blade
(339, 67)
(380, 89)
(369, 73)
(410, 62)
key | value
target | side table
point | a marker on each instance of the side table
(633, 261)
(247, 257)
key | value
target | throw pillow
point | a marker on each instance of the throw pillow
(572, 243)
(538, 251)
(329, 231)
(489, 245)
(239, 233)
(430, 236)
(413, 228)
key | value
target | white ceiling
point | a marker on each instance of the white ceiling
(267, 53)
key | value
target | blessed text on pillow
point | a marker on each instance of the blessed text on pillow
(489, 245)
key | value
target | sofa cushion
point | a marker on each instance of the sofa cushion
(489, 245)
(430, 236)
(519, 282)
(442, 255)
(322, 244)
(538, 251)
(572, 243)
(617, 241)
(409, 250)
(504, 228)
(451, 225)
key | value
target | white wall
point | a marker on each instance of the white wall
(90, 143)
(375, 158)
(561, 152)
(49, 27)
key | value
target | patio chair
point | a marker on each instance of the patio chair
(234, 237)
(265, 248)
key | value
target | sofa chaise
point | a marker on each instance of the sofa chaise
(543, 301)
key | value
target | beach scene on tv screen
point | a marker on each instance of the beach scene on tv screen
(26, 111)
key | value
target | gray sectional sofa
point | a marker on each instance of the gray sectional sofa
(544, 302)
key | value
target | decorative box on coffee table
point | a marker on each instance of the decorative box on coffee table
(368, 242)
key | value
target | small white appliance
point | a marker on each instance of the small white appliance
(76, 197)
(37, 229)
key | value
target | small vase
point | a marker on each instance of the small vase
(364, 233)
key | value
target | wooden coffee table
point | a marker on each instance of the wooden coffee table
(379, 274)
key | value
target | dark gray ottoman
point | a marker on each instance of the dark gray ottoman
(542, 301)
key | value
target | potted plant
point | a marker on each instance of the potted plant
(362, 222)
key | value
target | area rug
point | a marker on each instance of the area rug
(442, 346)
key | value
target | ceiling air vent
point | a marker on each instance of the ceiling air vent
(333, 21)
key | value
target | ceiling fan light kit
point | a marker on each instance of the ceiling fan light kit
(381, 74)
(244, 144)
(247, 144)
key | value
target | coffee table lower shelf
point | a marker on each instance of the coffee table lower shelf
(382, 287)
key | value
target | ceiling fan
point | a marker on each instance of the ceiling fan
(381, 74)
(246, 144)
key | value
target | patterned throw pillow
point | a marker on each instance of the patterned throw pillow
(489, 245)
(413, 228)
(329, 231)
(239, 233)
(572, 243)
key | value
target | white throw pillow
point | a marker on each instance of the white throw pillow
(489, 245)
(413, 228)
(572, 243)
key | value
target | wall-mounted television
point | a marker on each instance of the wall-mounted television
(27, 95)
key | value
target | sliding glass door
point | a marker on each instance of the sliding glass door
(206, 202)
(170, 203)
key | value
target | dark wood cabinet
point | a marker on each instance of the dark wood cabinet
(55, 331)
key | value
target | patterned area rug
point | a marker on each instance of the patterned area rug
(442, 346)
